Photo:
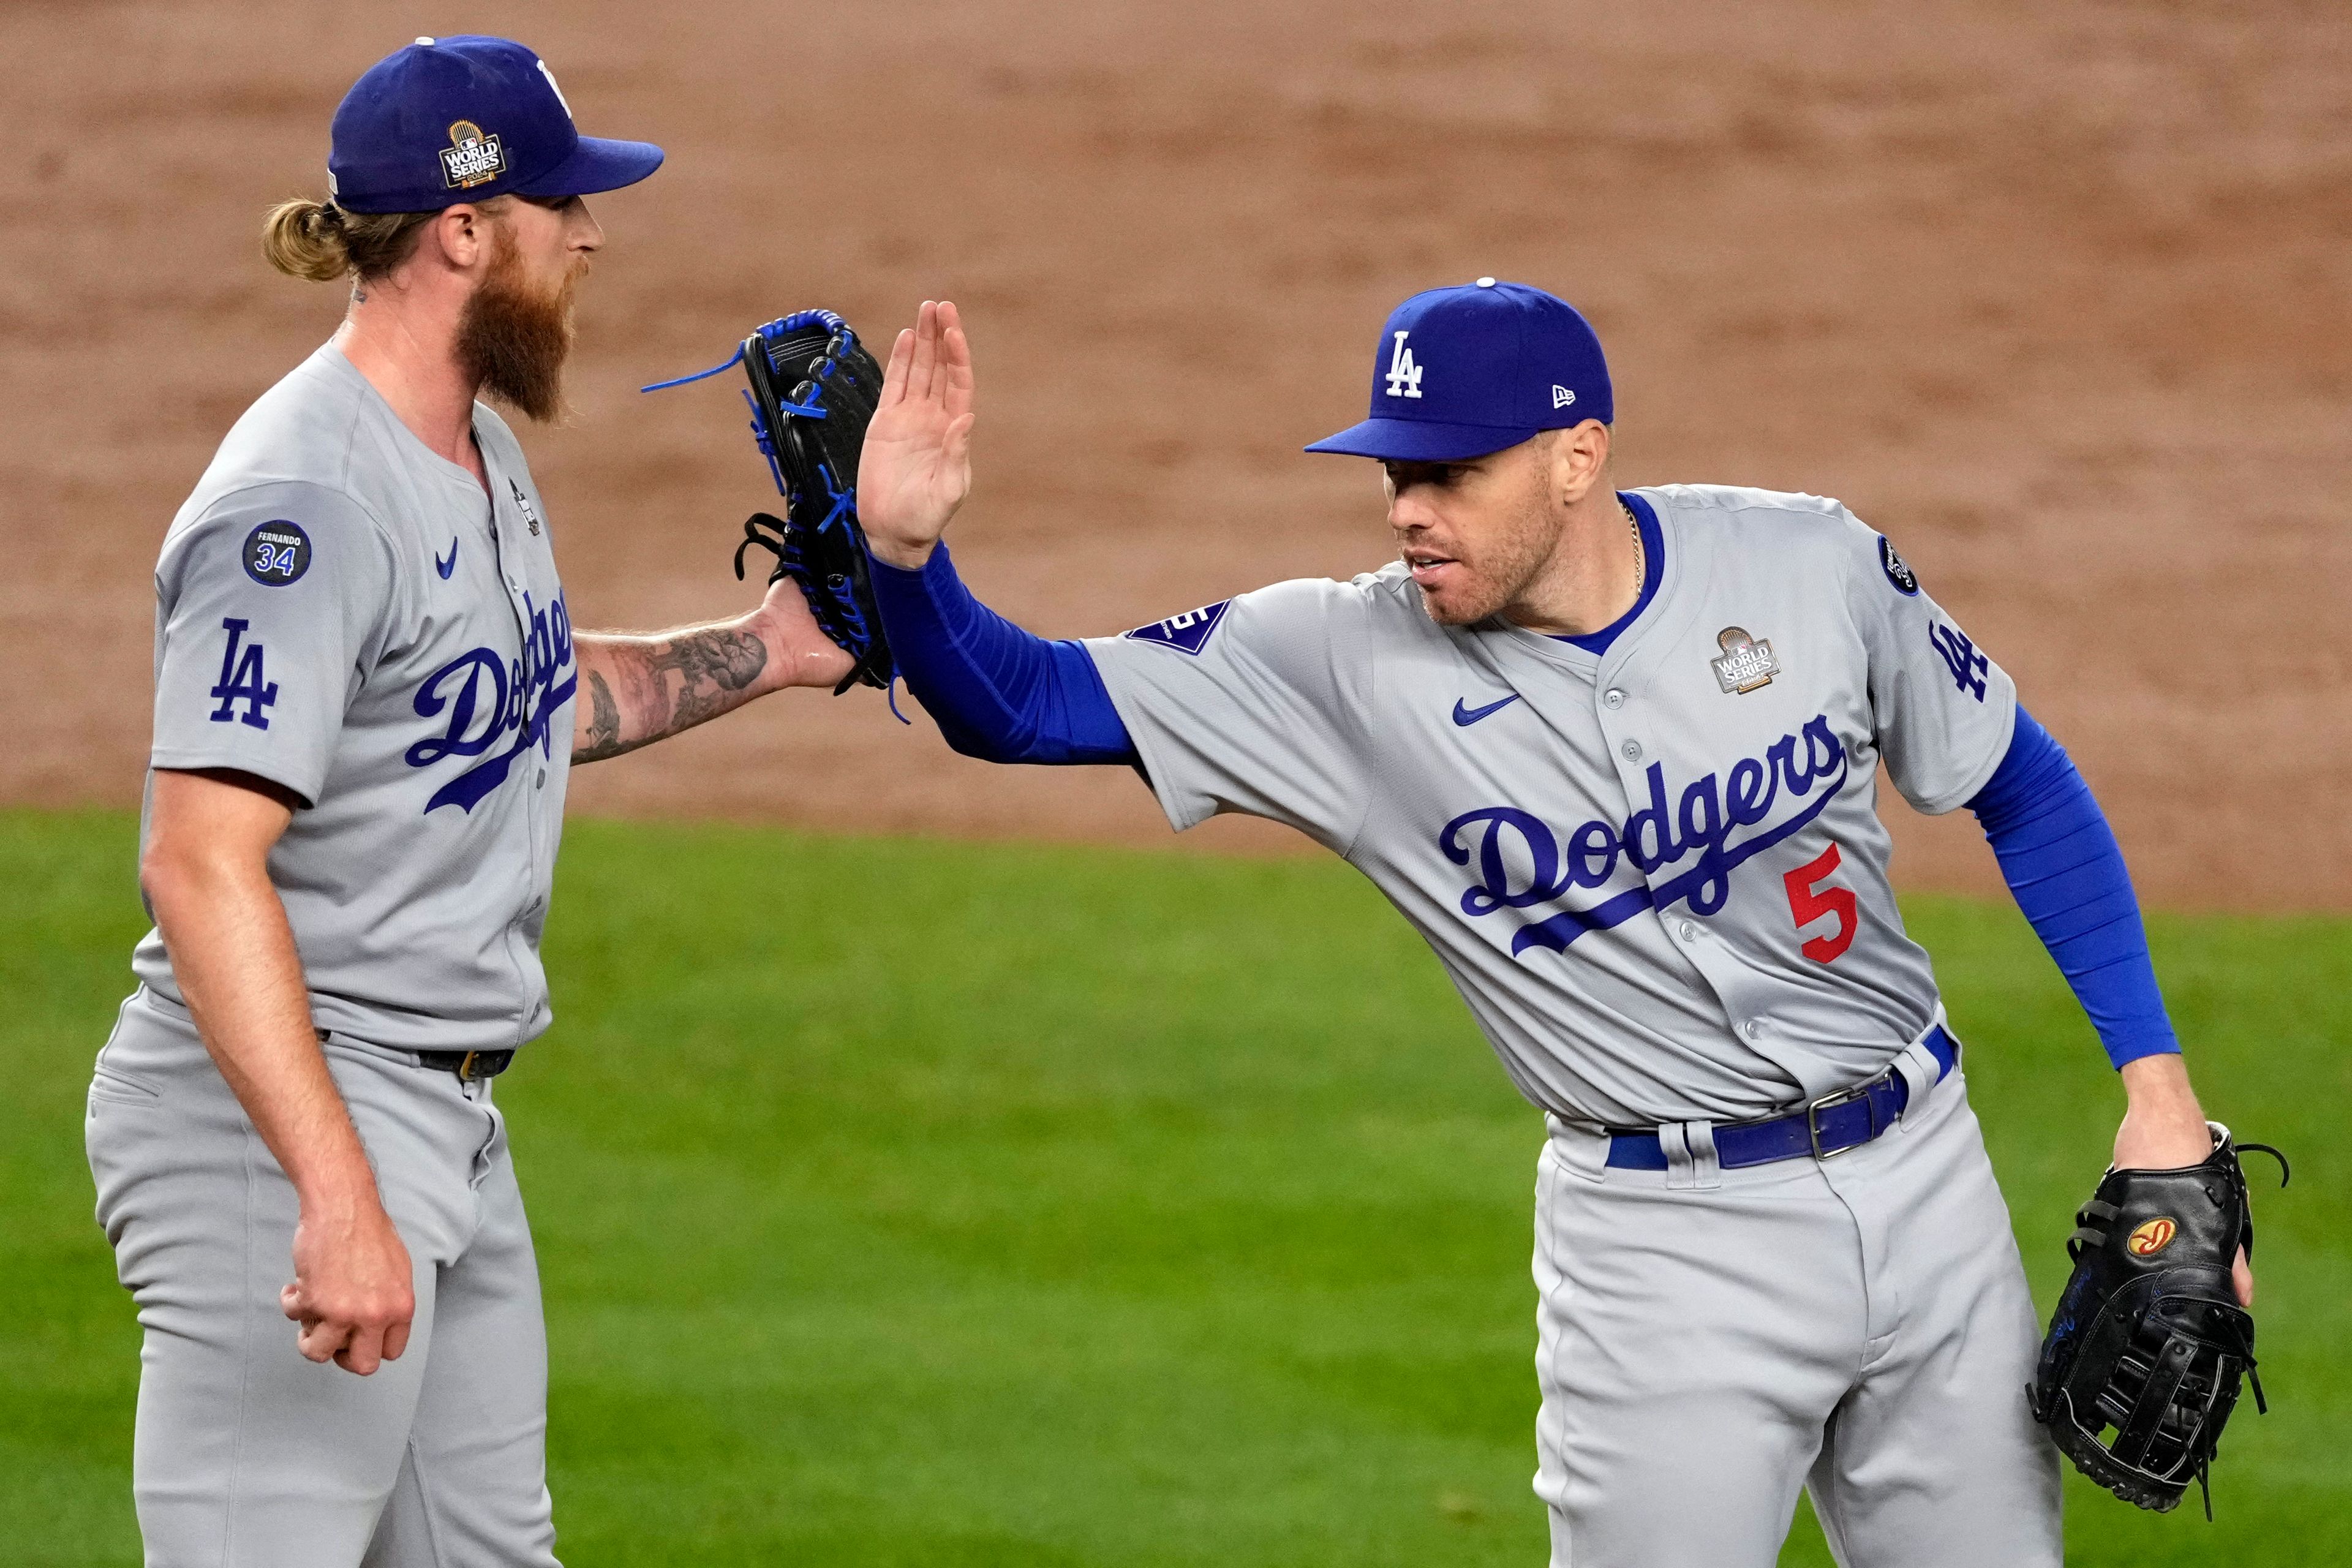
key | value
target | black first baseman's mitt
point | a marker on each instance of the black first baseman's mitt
(2141, 1366)
(814, 391)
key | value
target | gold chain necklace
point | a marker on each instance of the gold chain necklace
(1641, 566)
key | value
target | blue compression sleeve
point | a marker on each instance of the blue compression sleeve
(2062, 866)
(998, 692)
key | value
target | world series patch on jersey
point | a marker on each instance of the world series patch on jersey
(1615, 856)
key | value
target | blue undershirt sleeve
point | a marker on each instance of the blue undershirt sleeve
(2064, 867)
(998, 692)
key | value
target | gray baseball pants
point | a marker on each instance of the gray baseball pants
(248, 1455)
(1711, 1340)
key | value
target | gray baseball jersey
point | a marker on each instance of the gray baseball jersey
(343, 612)
(1657, 875)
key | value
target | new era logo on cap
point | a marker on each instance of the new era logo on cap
(1509, 361)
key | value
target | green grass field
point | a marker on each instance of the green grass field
(913, 1203)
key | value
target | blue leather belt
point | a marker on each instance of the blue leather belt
(1829, 1126)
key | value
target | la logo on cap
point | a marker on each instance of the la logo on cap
(1404, 375)
(1497, 348)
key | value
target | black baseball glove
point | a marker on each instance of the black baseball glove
(814, 391)
(2140, 1368)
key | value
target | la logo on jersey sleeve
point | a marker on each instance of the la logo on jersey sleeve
(1189, 632)
(242, 678)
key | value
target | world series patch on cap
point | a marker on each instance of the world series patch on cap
(463, 120)
(1463, 372)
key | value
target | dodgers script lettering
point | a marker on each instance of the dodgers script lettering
(1521, 863)
(481, 698)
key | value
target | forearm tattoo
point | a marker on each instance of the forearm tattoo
(712, 666)
(603, 739)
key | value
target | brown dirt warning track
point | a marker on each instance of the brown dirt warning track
(2058, 295)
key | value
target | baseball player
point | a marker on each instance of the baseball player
(368, 689)
(1614, 754)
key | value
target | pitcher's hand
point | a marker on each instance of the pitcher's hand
(353, 1291)
(799, 653)
(915, 468)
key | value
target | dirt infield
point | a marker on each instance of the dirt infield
(2060, 296)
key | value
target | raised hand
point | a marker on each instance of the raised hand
(915, 468)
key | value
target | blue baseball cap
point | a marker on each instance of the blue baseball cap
(462, 120)
(1467, 371)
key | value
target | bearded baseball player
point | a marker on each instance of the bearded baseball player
(368, 691)
(1614, 753)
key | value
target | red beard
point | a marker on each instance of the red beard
(513, 339)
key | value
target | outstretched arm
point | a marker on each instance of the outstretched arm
(639, 688)
(998, 692)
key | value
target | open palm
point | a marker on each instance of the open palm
(916, 466)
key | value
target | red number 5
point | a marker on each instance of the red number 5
(1809, 904)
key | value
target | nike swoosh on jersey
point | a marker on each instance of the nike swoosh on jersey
(445, 567)
(1465, 717)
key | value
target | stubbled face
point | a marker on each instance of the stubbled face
(516, 330)
(1476, 532)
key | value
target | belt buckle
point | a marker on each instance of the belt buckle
(466, 1075)
(1831, 1102)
